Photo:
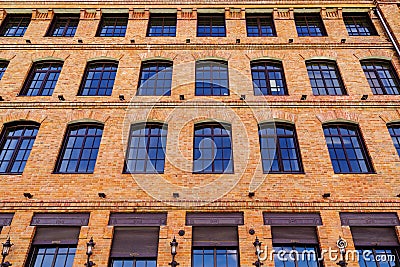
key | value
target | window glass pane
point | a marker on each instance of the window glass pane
(381, 77)
(113, 26)
(99, 79)
(325, 78)
(15, 25)
(42, 79)
(212, 78)
(309, 25)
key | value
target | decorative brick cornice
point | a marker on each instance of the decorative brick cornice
(283, 14)
(234, 13)
(331, 13)
(139, 14)
(85, 15)
(37, 15)
(188, 14)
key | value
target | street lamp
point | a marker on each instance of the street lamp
(342, 244)
(257, 246)
(89, 251)
(173, 245)
(6, 250)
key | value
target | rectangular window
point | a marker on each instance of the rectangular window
(64, 25)
(15, 25)
(309, 25)
(215, 246)
(113, 25)
(359, 24)
(53, 246)
(162, 25)
(211, 25)
(260, 26)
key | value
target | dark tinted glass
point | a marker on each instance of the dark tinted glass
(309, 25)
(162, 25)
(268, 78)
(359, 24)
(80, 149)
(15, 25)
(146, 149)
(113, 25)
(325, 78)
(99, 79)
(260, 26)
(211, 25)
(16, 146)
(64, 26)
(381, 77)
(347, 149)
(155, 78)
(279, 148)
(289, 255)
(212, 78)
(378, 256)
(212, 149)
(42, 79)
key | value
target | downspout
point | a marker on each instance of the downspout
(393, 41)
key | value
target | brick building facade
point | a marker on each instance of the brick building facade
(339, 175)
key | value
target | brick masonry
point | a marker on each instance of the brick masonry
(129, 193)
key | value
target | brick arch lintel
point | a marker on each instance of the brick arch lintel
(338, 115)
(390, 116)
(86, 116)
(275, 115)
(25, 115)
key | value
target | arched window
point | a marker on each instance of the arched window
(146, 148)
(394, 130)
(347, 149)
(42, 78)
(155, 78)
(99, 78)
(268, 78)
(212, 78)
(381, 76)
(212, 151)
(80, 148)
(279, 148)
(16, 144)
(325, 77)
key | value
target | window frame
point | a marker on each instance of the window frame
(391, 128)
(63, 147)
(5, 130)
(3, 67)
(266, 63)
(306, 17)
(115, 16)
(151, 63)
(146, 125)
(210, 18)
(90, 66)
(278, 152)
(361, 15)
(34, 70)
(294, 247)
(33, 254)
(214, 125)
(395, 251)
(329, 63)
(215, 253)
(211, 64)
(389, 67)
(163, 17)
(361, 141)
(5, 24)
(61, 17)
(268, 18)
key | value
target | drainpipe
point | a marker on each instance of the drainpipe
(377, 11)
